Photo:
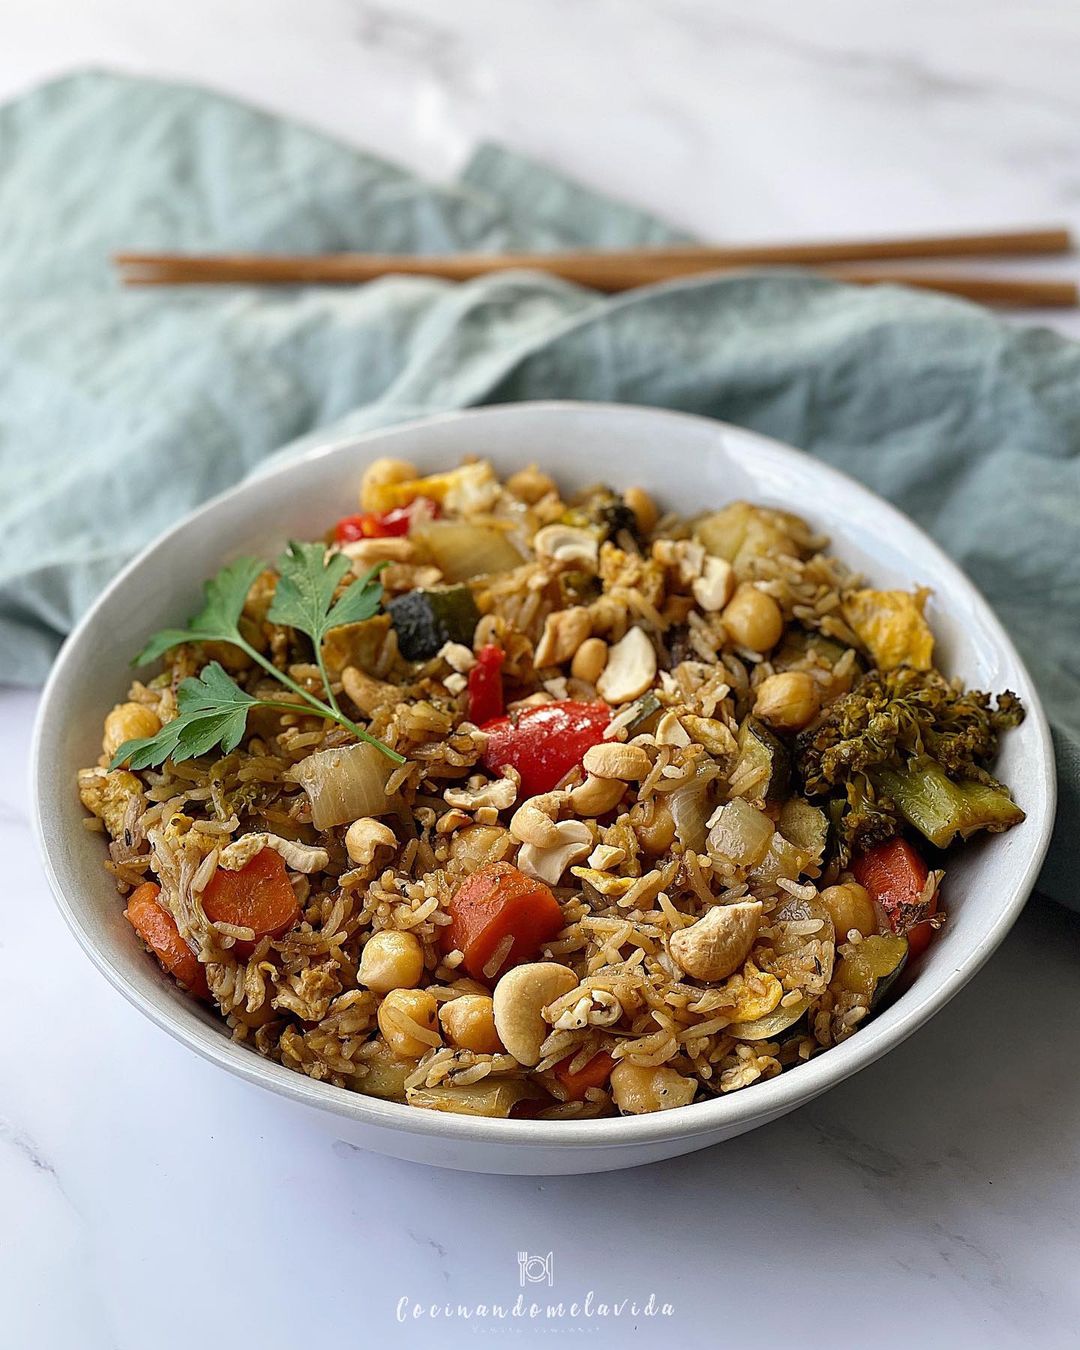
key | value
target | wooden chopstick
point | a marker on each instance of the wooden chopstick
(624, 269)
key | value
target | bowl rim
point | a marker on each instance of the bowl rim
(729, 1113)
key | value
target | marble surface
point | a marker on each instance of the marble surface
(148, 1201)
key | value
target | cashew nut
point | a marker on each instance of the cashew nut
(606, 856)
(670, 731)
(457, 656)
(564, 632)
(717, 945)
(630, 669)
(365, 552)
(566, 543)
(615, 759)
(364, 837)
(597, 796)
(529, 825)
(716, 585)
(519, 1001)
(501, 794)
(573, 842)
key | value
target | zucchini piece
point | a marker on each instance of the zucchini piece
(644, 713)
(578, 587)
(873, 966)
(772, 1025)
(426, 620)
(800, 642)
(804, 825)
(940, 809)
(764, 761)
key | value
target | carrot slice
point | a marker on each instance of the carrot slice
(157, 928)
(258, 896)
(896, 876)
(593, 1073)
(499, 911)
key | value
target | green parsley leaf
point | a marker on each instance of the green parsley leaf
(304, 597)
(359, 601)
(223, 601)
(213, 711)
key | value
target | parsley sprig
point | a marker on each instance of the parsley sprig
(212, 707)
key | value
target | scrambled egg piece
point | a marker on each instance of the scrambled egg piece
(106, 794)
(892, 626)
(470, 488)
(756, 994)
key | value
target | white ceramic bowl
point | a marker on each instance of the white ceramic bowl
(689, 464)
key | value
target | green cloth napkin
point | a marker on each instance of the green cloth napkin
(121, 411)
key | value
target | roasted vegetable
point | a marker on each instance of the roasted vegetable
(940, 809)
(157, 928)
(343, 784)
(494, 1097)
(594, 1073)
(772, 1025)
(763, 770)
(258, 896)
(606, 513)
(909, 745)
(499, 918)
(900, 884)
(872, 967)
(486, 685)
(425, 620)
(545, 742)
(462, 549)
(804, 825)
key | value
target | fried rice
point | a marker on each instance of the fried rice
(702, 932)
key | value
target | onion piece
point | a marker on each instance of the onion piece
(689, 807)
(462, 550)
(740, 833)
(345, 784)
(490, 1097)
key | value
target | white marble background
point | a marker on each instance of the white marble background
(147, 1201)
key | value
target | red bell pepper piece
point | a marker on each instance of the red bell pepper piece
(486, 686)
(896, 877)
(544, 742)
(385, 524)
(493, 904)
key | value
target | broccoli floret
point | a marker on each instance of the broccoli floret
(908, 745)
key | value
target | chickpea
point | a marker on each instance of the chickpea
(643, 507)
(753, 619)
(469, 1021)
(391, 960)
(850, 907)
(637, 1091)
(402, 1006)
(656, 827)
(589, 660)
(128, 722)
(529, 485)
(789, 701)
(380, 474)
